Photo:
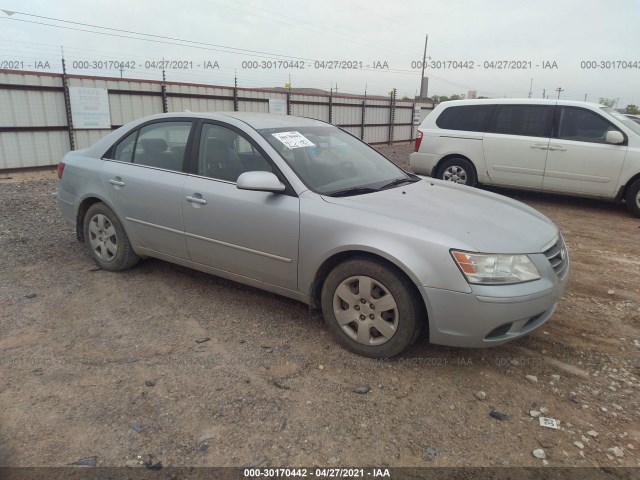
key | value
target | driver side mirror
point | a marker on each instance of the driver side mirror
(615, 137)
(259, 181)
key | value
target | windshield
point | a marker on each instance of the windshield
(626, 121)
(332, 162)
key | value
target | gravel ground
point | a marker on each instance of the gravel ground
(169, 365)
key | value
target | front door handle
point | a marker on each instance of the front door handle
(541, 146)
(561, 149)
(196, 199)
(117, 182)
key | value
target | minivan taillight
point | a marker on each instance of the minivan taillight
(418, 140)
(60, 169)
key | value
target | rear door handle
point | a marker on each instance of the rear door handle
(116, 181)
(198, 199)
(541, 146)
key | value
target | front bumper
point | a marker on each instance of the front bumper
(492, 315)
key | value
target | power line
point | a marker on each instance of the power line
(322, 29)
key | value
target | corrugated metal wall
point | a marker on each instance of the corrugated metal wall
(33, 115)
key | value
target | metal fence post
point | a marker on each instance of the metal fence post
(67, 105)
(363, 116)
(289, 102)
(163, 89)
(331, 107)
(392, 114)
(235, 94)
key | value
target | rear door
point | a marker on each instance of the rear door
(144, 177)
(249, 233)
(515, 144)
(579, 159)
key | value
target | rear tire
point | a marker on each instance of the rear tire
(371, 309)
(458, 170)
(106, 240)
(633, 198)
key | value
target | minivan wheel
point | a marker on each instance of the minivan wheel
(458, 170)
(106, 240)
(370, 309)
(633, 198)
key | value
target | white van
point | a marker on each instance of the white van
(574, 148)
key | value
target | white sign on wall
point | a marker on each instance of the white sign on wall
(417, 114)
(277, 106)
(90, 108)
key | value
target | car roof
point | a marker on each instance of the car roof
(520, 101)
(255, 120)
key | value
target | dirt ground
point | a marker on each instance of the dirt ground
(175, 366)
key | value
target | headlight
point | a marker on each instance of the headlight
(495, 269)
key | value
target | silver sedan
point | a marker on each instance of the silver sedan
(303, 209)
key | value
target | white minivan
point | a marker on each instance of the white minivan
(567, 147)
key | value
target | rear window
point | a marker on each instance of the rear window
(525, 120)
(472, 118)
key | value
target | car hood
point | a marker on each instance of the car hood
(486, 222)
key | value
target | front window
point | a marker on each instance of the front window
(332, 162)
(583, 125)
(623, 119)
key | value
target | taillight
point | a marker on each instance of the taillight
(60, 169)
(418, 140)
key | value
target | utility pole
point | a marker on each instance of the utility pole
(585, 97)
(424, 61)
(559, 89)
(530, 88)
(121, 70)
(544, 93)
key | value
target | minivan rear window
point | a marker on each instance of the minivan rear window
(526, 120)
(471, 118)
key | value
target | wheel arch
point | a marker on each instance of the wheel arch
(623, 191)
(436, 169)
(81, 211)
(339, 257)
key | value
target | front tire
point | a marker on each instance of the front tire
(370, 309)
(106, 240)
(458, 170)
(633, 198)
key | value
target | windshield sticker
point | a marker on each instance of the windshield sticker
(293, 140)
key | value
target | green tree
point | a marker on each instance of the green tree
(632, 109)
(608, 102)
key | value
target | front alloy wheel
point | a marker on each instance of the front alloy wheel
(365, 310)
(372, 308)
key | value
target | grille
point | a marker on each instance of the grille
(558, 257)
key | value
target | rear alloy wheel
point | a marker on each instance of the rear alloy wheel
(106, 240)
(370, 309)
(633, 198)
(458, 170)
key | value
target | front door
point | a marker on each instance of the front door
(249, 233)
(580, 160)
